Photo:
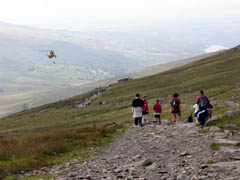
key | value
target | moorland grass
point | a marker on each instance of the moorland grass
(214, 147)
(226, 120)
(33, 151)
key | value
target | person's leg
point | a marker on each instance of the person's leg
(140, 121)
(209, 113)
(159, 121)
(136, 121)
(143, 118)
(147, 118)
(179, 116)
(173, 118)
(196, 120)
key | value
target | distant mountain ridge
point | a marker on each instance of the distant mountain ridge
(171, 65)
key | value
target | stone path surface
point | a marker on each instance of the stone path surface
(157, 152)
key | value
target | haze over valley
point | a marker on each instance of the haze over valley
(85, 57)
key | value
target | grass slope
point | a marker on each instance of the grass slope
(54, 130)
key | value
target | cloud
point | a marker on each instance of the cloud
(62, 13)
(214, 48)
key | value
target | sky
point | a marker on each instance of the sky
(70, 14)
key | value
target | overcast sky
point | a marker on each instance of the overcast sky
(69, 13)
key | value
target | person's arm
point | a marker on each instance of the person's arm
(132, 107)
(147, 106)
(171, 105)
(198, 99)
(160, 109)
(179, 104)
(207, 99)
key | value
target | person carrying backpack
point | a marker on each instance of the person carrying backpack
(157, 111)
(175, 108)
(137, 105)
(204, 103)
(145, 110)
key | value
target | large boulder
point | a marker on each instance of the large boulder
(214, 118)
(231, 103)
(231, 127)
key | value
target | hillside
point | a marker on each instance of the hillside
(68, 123)
(167, 66)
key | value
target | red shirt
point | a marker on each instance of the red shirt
(145, 107)
(178, 101)
(198, 99)
(157, 108)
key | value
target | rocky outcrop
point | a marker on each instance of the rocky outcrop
(88, 101)
(232, 113)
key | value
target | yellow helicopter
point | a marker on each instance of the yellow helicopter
(51, 55)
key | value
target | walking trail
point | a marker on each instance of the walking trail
(157, 152)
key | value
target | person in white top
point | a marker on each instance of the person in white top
(196, 109)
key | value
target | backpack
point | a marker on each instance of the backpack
(190, 119)
(203, 103)
(174, 104)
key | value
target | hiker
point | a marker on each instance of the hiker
(137, 105)
(175, 107)
(202, 116)
(145, 110)
(196, 109)
(204, 103)
(157, 111)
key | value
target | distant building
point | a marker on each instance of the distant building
(124, 80)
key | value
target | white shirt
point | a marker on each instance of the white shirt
(196, 108)
(137, 112)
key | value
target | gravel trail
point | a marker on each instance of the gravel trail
(157, 152)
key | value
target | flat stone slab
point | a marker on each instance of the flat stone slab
(229, 149)
(227, 164)
(227, 142)
(215, 129)
(220, 135)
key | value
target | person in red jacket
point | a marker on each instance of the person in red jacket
(204, 103)
(157, 111)
(145, 110)
(175, 108)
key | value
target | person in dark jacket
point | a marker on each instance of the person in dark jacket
(137, 105)
(202, 116)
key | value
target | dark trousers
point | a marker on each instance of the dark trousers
(138, 120)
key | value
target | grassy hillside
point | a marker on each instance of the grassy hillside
(50, 132)
(167, 66)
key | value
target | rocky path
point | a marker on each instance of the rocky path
(157, 152)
